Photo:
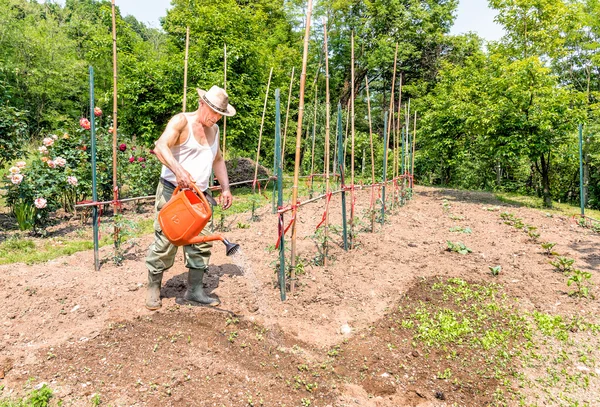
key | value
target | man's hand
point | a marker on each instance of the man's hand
(184, 179)
(226, 199)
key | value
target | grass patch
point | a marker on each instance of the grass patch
(538, 203)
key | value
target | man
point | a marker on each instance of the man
(188, 150)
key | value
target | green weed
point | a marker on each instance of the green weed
(495, 270)
(457, 247)
(581, 279)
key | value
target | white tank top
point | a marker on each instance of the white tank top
(194, 158)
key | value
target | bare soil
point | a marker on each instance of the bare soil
(88, 333)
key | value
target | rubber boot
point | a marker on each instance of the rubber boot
(195, 290)
(153, 301)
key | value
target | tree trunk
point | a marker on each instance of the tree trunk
(545, 173)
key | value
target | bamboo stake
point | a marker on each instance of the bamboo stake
(391, 109)
(185, 66)
(225, 89)
(327, 112)
(398, 127)
(372, 204)
(346, 135)
(262, 122)
(312, 153)
(115, 186)
(298, 143)
(352, 151)
(287, 114)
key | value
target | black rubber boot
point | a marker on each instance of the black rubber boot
(153, 301)
(195, 291)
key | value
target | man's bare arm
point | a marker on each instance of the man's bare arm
(221, 173)
(169, 139)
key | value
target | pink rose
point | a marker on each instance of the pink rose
(72, 180)
(15, 170)
(16, 178)
(140, 159)
(123, 147)
(43, 150)
(97, 112)
(85, 123)
(40, 203)
(131, 159)
(48, 141)
(152, 152)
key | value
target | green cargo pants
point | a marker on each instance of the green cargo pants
(161, 253)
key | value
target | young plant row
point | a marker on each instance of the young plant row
(579, 278)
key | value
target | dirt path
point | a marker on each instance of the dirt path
(87, 332)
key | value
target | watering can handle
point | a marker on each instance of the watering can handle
(199, 193)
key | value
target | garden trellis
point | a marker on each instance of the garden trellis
(402, 171)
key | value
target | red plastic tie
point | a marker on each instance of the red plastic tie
(329, 194)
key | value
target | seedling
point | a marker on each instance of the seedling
(548, 246)
(241, 225)
(581, 281)
(460, 229)
(495, 270)
(563, 264)
(457, 247)
(446, 206)
(533, 234)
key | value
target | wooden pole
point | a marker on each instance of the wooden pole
(287, 114)
(314, 134)
(398, 127)
(262, 122)
(185, 66)
(298, 144)
(346, 134)
(352, 151)
(224, 88)
(115, 186)
(372, 204)
(384, 177)
(327, 112)
(391, 109)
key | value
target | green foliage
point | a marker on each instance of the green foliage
(460, 229)
(457, 247)
(37, 398)
(582, 282)
(495, 270)
(548, 246)
(563, 264)
(13, 131)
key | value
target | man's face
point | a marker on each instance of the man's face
(208, 117)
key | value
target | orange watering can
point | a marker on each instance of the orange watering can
(185, 215)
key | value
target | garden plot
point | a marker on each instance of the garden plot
(400, 320)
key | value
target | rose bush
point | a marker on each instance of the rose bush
(60, 174)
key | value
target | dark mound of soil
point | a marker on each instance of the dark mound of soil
(242, 169)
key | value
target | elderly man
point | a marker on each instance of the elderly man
(188, 150)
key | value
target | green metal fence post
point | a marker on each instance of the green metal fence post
(340, 159)
(94, 189)
(581, 190)
(279, 172)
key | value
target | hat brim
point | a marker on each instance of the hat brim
(230, 109)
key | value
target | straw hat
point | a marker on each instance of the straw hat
(216, 98)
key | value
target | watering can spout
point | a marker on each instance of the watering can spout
(231, 248)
